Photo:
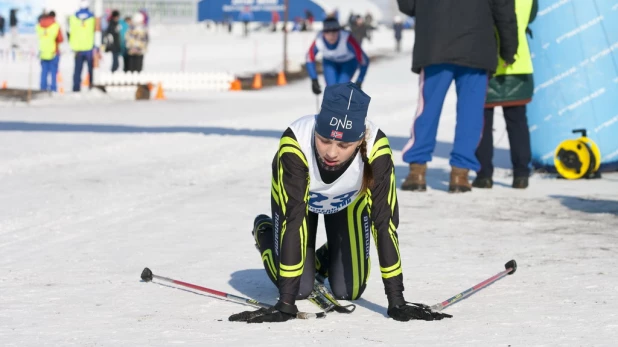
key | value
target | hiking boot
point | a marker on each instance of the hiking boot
(483, 182)
(459, 181)
(261, 224)
(520, 182)
(416, 178)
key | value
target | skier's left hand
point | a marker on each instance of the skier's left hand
(409, 311)
(281, 312)
(359, 84)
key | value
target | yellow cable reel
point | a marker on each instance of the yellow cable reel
(577, 158)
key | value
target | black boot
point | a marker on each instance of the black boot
(482, 182)
(261, 224)
(520, 182)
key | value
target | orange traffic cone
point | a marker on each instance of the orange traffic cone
(59, 83)
(257, 81)
(86, 81)
(160, 95)
(4, 85)
(281, 80)
(236, 85)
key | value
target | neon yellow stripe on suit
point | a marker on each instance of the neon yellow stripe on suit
(297, 269)
(267, 256)
(356, 249)
(274, 191)
(376, 146)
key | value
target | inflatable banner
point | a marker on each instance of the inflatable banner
(260, 10)
(575, 56)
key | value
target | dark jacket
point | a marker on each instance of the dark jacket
(461, 32)
(512, 89)
(112, 37)
(13, 18)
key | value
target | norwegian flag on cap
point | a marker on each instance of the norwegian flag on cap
(336, 134)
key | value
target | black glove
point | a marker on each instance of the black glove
(529, 32)
(359, 85)
(408, 311)
(315, 86)
(281, 312)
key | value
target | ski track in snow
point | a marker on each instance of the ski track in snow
(89, 197)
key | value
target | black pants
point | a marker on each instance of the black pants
(344, 259)
(519, 141)
(115, 62)
(136, 63)
(125, 62)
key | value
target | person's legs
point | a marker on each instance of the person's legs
(45, 69)
(471, 87)
(115, 63)
(347, 71)
(485, 150)
(519, 139)
(77, 71)
(330, 70)
(90, 63)
(54, 73)
(139, 62)
(434, 82)
(348, 233)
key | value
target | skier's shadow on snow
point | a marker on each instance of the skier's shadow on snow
(442, 149)
(254, 284)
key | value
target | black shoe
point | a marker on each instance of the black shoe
(260, 224)
(482, 182)
(520, 182)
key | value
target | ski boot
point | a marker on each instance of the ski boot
(261, 224)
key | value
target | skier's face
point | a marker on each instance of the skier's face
(331, 36)
(334, 153)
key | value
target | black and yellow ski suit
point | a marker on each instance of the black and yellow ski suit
(289, 251)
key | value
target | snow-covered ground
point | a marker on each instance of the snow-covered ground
(93, 191)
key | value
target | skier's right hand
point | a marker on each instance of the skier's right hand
(281, 312)
(315, 86)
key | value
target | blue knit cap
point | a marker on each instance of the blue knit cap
(343, 113)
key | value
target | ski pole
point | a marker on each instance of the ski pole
(510, 266)
(148, 276)
(317, 104)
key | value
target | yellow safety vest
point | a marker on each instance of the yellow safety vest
(47, 40)
(82, 34)
(523, 60)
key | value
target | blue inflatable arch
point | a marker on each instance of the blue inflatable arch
(575, 56)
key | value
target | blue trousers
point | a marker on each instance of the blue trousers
(471, 87)
(339, 72)
(80, 58)
(49, 67)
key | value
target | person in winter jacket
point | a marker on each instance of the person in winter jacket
(511, 87)
(339, 165)
(341, 56)
(398, 31)
(112, 39)
(137, 43)
(50, 36)
(454, 40)
(81, 39)
(125, 25)
(13, 27)
(2, 25)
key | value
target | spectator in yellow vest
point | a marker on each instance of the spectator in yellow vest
(50, 36)
(81, 39)
(512, 88)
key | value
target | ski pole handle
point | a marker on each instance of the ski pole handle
(510, 267)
